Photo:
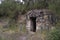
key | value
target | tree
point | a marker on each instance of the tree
(9, 8)
(54, 5)
(36, 4)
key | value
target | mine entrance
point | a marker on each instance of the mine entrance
(33, 24)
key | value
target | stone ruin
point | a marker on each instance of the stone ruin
(39, 20)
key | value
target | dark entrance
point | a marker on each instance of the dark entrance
(33, 24)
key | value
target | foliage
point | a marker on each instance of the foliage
(54, 34)
(54, 5)
(10, 7)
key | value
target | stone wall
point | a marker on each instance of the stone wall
(44, 19)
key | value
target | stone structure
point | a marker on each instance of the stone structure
(39, 20)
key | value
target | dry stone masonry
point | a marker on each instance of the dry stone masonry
(39, 20)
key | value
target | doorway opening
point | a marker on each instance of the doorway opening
(33, 24)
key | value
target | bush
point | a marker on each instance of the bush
(54, 35)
